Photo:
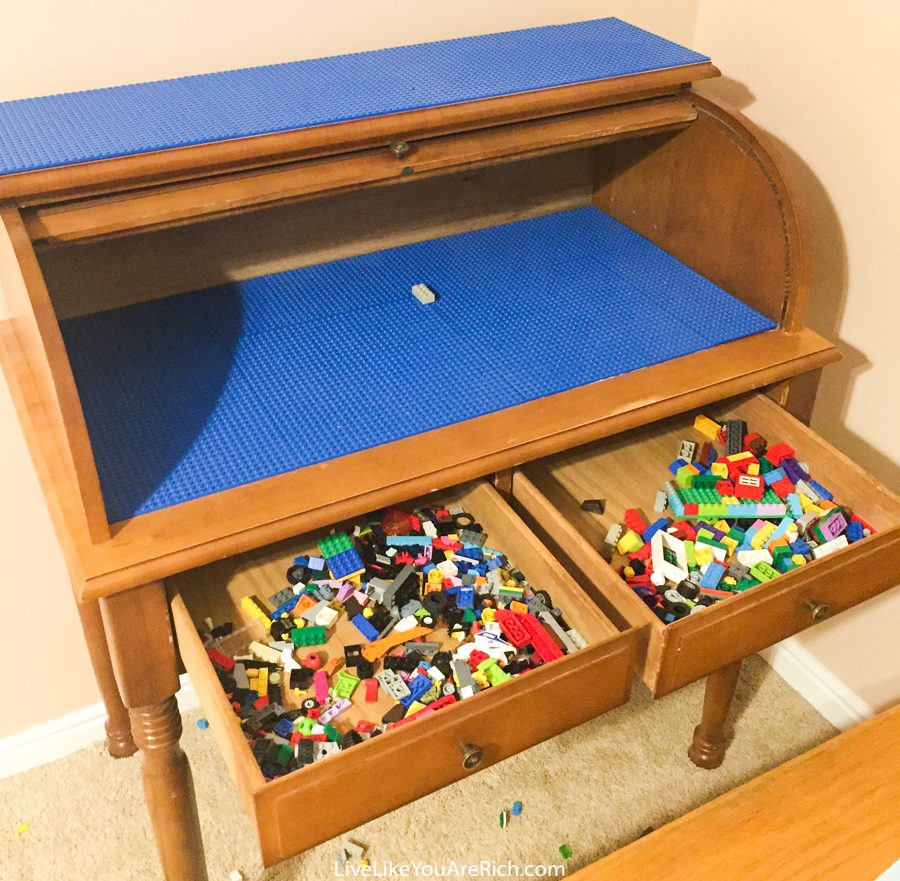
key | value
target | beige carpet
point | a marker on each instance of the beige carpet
(594, 788)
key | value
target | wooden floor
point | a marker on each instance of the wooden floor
(830, 815)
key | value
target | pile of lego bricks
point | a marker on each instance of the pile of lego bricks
(741, 518)
(439, 616)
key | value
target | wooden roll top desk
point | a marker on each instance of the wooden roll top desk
(134, 228)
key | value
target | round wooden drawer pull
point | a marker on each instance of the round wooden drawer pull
(472, 756)
(820, 611)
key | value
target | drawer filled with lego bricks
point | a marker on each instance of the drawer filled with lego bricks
(442, 621)
(725, 531)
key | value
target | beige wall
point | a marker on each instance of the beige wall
(822, 78)
(51, 46)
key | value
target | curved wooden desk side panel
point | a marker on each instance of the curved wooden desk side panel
(719, 197)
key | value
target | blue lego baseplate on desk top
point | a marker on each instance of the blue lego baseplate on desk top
(196, 393)
(126, 120)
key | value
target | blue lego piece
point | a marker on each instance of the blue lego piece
(202, 723)
(402, 541)
(738, 512)
(678, 463)
(418, 685)
(301, 561)
(781, 529)
(854, 531)
(316, 564)
(794, 506)
(231, 352)
(494, 563)
(655, 527)
(676, 505)
(516, 808)
(823, 493)
(466, 598)
(774, 476)
(284, 728)
(713, 575)
(361, 623)
(125, 120)
(284, 608)
(345, 564)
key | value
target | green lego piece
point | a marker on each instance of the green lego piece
(780, 552)
(737, 534)
(762, 571)
(421, 613)
(431, 695)
(468, 616)
(492, 670)
(304, 725)
(786, 565)
(765, 466)
(689, 554)
(283, 756)
(704, 481)
(565, 851)
(684, 476)
(332, 733)
(745, 584)
(346, 684)
(332, 545)
(308, 636)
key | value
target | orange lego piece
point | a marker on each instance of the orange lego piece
(378, 649)
(331, 666)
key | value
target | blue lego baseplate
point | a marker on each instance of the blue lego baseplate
(126, 120)
(196, 393)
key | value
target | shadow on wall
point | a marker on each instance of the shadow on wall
(828, 299)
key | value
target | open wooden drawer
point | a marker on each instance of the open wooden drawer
(628, 469)
(414, 759)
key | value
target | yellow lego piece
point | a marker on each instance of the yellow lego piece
(481, 679)
(754, 469)
(488, 615)
(719, 469)
(264, 653)
(299, 623)
(759, 540)
(263, 685)
(731, 500)
(368, 612)
(728, 580)
(254, 608)
(721, 525)
(805, 501)
(629, 542)
(414, 707)
(731, 543)
(703, 554)
(707, 427)
(798, 559)
(24, 827)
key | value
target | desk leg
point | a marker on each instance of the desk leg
(797, 395)
(118, 726)
(708, 748)
(142, 650)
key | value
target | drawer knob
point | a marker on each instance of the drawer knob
(472, 756)
(819, 611)
(400, 148)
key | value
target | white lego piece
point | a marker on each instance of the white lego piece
(448, 567)
(406, 623)
(614, 534)
(657, 579)
(288, 661)
(235, 876)
(577, 638)
(686, 451)
(327, 617)
(829, 547)
(436, 675)
(664, 545)
(429, 529)
(751, 558)
(264, 653)
(662, 502)
(423, 293)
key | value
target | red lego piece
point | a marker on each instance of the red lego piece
(725, 488)
(364, 727)
(399, 522)
(314, 712)
(720, 437)
(643, 552)
(513, 628)
(778, 452)
(691, 509)
(405, 558)
(857, 519)
(445, 544)
(313, 661)
(371, 691)
(689, 532)
(223, 661)
(261, 702)
(741, 466)
(634, 521)
(295, 738)
(444, 701)
(639, 581)
(750, 486)
(783, 488)
(544, 647)
(477, 657)
(709, 591)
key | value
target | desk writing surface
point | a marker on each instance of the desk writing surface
(126, 120)
(196, 393)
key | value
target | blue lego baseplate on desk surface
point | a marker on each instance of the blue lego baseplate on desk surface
(126, 120)
(196, 393)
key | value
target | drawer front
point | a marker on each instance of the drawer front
(627, 470)
(412, 760)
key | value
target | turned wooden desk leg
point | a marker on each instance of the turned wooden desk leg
(118, 726)
(142, 650)
(708, 748)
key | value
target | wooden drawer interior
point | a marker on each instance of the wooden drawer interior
(501, 720)
(629, 469)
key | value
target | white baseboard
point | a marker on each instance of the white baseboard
(60, 737)
(817, 684)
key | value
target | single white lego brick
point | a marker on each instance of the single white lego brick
(751, 558)
(686, 451)
(327, 617)
(577, 638)
(264, 653)
(662, 502)
(829, 547)
(423, 293)
(614, 534)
